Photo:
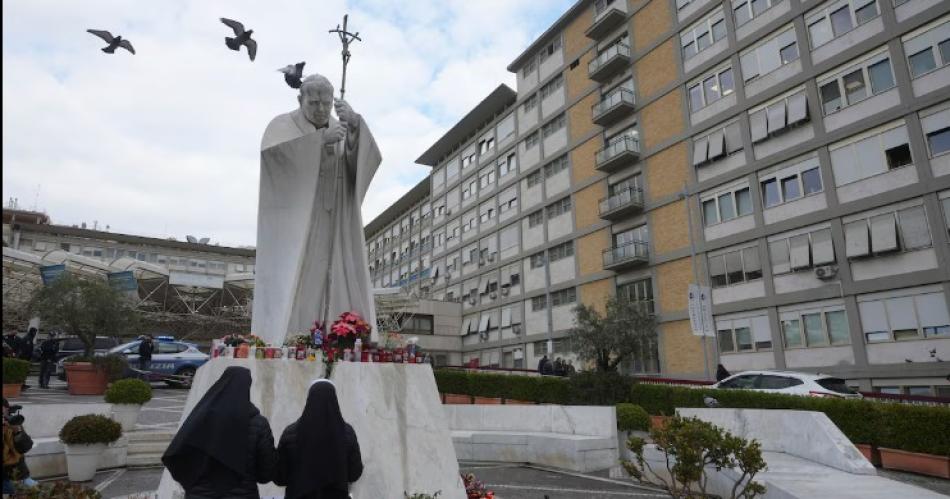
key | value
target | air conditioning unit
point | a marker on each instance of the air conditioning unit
(493, 295)
(472, 300)
(505, 290)
(516, 328)
(491, 258)
(826, 272)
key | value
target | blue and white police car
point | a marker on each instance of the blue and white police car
(173, 362)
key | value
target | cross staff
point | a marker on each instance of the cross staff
(345, 38)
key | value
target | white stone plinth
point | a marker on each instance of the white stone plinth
(394, 408)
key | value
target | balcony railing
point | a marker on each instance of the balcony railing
(623, 203)
(613, 106)
(609, 62)
(606, 18)
(626, 255)
(618, 153)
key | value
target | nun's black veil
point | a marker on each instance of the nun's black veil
(321, 448)
(214, 436)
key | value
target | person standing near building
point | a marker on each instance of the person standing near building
(14, 342)
(48, 350)
(146, 347)
(543, 365)
(26, 345)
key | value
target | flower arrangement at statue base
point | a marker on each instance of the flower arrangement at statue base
(346, 339)
(475, 489)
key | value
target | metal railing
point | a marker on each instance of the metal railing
(631, 196)
(615, 50)
(626, 144)
(614, 98)
(634, 250)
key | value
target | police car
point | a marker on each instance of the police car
(174, 362)
(170, 357)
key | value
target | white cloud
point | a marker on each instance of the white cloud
(166, 142)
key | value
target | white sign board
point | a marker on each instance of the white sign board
(176, 278)
(700, 310)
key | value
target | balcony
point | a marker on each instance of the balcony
(606, 20)
(621, 204)
(625, 256)
(619, 153)
(609, 62)
(614, 106)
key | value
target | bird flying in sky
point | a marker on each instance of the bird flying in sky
(113, 41)
(293, 74)
(241, 37)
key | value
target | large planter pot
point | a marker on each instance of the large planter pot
(452, 398)
(925, 464)
(126, 415)
(83, 378)
(82, 461)
(488, 400)
(871, 453)
(12, 390)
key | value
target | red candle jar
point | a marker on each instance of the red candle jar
(242, 351)
(376, 355)
(399, 355)
(301, 352)
(364, 356)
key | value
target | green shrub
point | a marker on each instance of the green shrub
(631, 417)
(90, 429)
(534, 388)
(56, 490)
(114, 365)
(599, 388)
(15, 371)
(129, 391)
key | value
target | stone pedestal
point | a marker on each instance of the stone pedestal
(394, 408)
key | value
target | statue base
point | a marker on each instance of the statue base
(395, 410)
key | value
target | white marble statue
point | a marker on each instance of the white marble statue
(311, 254)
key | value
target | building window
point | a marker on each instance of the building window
(904, 229)
(778, 116)
(530, 103)
(790, 184)
(486, 145)
(929, 50)
(557, 166)
(638, 291)
(471, 188)
(417, 324)
(871, 153)
(815, 328)
(535, 219)
(529, 67)
(721, 142)
(746, 10)
(735, 267)
(904, 316)
(486, 178)
(552, 126)
(550, 48)
(856, 83)
(563, 297)
(802, 251)
(534, 178)
(727, 206)
(703, 34)
(552, 86)
(639, 234)
(939, 142)
(539, 303)
(836, 18)
(531, 141)
(559, 208)
(769, 55)
(537, 260)
(711, 88)
(507, 164)
(561, 251)
(468, 159)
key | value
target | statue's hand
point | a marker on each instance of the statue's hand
(335, 133)
(345, 112)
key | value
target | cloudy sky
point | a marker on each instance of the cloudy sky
(166, 143)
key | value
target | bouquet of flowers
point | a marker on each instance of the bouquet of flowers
(255, 341)
(393, 340)
(474, 489)
(302, 340)
(345, 330)
(234, 340)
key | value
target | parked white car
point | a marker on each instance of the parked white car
(790, 383)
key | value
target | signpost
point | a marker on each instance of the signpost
(123, 281)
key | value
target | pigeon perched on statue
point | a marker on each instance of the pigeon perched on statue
(113, 41)
(293, 74)
(241, 37)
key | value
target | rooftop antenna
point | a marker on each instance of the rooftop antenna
(36, 196)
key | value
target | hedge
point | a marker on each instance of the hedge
(632, 417)
(898, 426)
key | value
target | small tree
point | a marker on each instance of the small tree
(689, 446)
(85, 308)
(609, 339)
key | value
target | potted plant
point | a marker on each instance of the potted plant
(127, 397)
(14, 374)
(84, 308)
(86, 437)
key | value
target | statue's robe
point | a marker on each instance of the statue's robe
(310, 242)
